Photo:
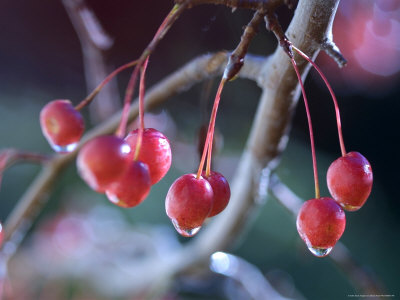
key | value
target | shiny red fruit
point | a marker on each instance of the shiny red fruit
(62, 125)
(188, 203)
(349, 180)
(321, 223)
(221, 190)
(132, 187)
(155, 152)
(102, 160)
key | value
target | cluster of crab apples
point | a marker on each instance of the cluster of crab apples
(321, 221)
(125, 168)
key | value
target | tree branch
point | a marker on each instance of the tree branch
(94, 43)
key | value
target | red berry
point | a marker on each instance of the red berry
(62, 125)
(349, 180)
(221, 190)
(321, 223)
(188, 203)
(102, 160)
(132, 187)
(155, 152)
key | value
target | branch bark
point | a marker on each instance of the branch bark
(95, 44)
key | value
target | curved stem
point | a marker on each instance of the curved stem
(212, 125)
(162, 30)
(210, 132)
(337, 111)
(141, 109)
(93, 94)
(314, 159)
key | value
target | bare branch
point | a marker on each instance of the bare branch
(95, 43)
(333, 51)
(236, 59)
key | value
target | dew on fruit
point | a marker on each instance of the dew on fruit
(320, 252)
(187, 232)
(65, 148)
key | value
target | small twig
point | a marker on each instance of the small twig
(333, 51)
(272, 24)
(9, 157)
(341, 256)
(236, 59)
(94, 43)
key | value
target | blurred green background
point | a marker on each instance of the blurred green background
(41, 60)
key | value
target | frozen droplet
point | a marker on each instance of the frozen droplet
(320, 252)
(187, 232)
(65, 148)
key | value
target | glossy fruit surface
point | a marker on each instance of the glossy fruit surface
(188, 203)
(62, 125)
(321, 223)
(155, 152)
(221, 190)
(132, 187)
(349, 180)
(102, 160)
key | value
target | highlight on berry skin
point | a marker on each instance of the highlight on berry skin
(62, 125)
(320, 223)
(155, 151)
(102, 160)
(349, 180)
(188, 203)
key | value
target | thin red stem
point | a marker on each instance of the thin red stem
(210, 133)
(142, 90)
(314, 158)
(94, 93)
(212, 124)
(339, 123)
(162, 30)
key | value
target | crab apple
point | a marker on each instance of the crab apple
(62, 125)
(155, 151)
(188, 203)
(102, 160)
(132, 187)
(221, 190)
(320, 224)
(349, 180)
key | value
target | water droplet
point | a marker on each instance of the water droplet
(350, 207)
(64, 149)
(187, 232)
(320, 252)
